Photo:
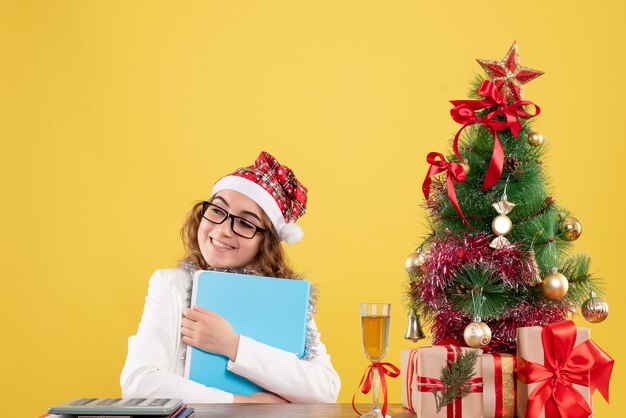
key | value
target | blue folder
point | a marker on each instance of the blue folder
(269, 310)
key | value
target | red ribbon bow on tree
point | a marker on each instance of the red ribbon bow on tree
(464, 112)
(368, 379)
(456, 172)
(586, 364)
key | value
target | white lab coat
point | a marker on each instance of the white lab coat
(155, 366)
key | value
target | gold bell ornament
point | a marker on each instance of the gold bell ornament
(501, 224)
(477, 334)
(570, 228)
(554, 285)
(414, 329)
(595, 309)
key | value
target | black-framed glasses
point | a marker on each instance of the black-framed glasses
(240, 226)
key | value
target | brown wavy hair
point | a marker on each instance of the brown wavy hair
(271, 259)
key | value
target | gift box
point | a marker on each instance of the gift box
(408, 358)
(559, 368)
(422, 373)
(499, 385)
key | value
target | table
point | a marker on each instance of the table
(290, 410)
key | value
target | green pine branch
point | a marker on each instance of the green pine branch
(481, 279)
(581, 284)
(455, 377)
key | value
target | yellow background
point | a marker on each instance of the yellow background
(115, 116)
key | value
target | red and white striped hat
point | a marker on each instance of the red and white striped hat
(275, 188)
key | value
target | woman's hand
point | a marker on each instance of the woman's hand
(208, 331)
(259, 397)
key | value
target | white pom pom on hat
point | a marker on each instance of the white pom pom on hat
(275, 188)
(291, 233)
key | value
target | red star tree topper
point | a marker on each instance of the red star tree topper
(508, 75)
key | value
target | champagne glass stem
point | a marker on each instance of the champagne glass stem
(376, 378)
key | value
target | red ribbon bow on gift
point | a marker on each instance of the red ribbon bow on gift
(464, 112)
(586, 364)
(456, 172)
(368, 376)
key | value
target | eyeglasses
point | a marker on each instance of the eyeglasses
(215, 214)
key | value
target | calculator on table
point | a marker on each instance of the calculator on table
(117, 406)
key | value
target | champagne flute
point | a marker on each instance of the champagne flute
(375, 329)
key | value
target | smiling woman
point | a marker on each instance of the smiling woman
(211, 211)
(240, 229)
(229, 245)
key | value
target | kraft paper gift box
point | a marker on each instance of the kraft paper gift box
(422, 370)
(408, 359)
(530, 348)
(499, 385)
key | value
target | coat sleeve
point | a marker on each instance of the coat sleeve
(283, 373)
(153, 353)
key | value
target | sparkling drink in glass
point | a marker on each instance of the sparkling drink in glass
(375, 330)
(375, 334)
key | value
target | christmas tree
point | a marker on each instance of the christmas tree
(496, 257)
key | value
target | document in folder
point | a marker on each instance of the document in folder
(269, 310)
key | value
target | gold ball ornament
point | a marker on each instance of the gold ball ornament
(554, 285)
(414, 261)
(535, 139)
(595, 309)
(501, 225)
(477, 334)
(571, 228)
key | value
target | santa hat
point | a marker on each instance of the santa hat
(275, 189)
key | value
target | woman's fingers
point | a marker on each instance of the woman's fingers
(202, 310)
(191, 314)
(197, 313)
(188, 323)
(209, 331)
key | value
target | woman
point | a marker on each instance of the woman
(238, 230)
